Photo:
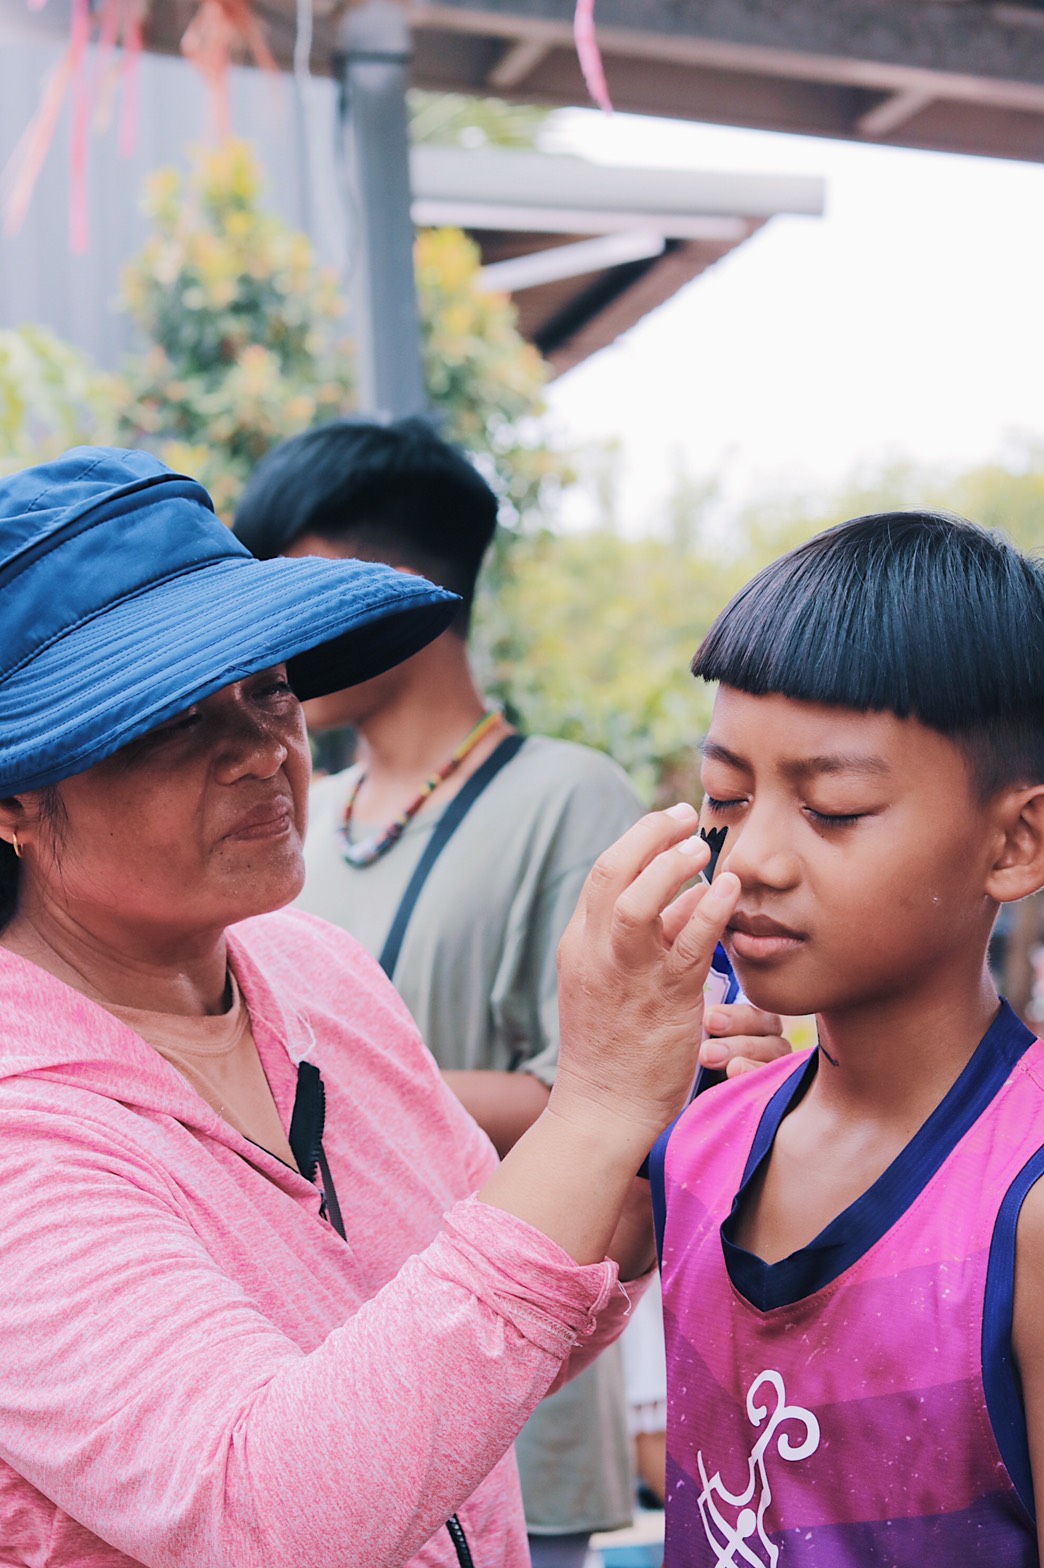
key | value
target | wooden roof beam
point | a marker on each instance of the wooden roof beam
(892, 112)
(519, 60)
(970, 53)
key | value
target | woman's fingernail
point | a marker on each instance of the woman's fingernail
(689, 846)
(715, 1021)
(682, 811)
(722, 892)
(713, 1053)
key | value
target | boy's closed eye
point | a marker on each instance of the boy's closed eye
(711, 803)
(835, 819)
(715, 806)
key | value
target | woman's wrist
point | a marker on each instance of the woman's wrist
(624, 1124)
(569, 1176)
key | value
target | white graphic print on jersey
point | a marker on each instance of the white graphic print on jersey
(734, 1521)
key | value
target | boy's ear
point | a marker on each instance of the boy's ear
(1018, 869)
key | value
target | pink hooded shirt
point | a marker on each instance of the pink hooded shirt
(197, 1370)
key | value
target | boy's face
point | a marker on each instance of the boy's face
(361, 702)
(862, 850)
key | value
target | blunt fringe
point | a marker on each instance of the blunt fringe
(919, 614)
(395, 492)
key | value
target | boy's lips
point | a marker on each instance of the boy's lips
(759, 936)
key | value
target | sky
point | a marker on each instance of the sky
(907, 322)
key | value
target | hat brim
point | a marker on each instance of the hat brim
(141, 661)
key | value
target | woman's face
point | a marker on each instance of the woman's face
(196, 825)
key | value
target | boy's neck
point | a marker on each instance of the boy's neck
(896, 1059)
(410, 737)
(883, 1070)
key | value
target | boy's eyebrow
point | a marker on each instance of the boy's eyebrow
(711, 748)
(866, 763)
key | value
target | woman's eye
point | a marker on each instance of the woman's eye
(277, 686)
(184, 721)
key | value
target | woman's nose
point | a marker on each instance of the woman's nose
(251, 748)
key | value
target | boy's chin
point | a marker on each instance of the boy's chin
(774, 994)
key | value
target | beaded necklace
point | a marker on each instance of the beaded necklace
(367, 850)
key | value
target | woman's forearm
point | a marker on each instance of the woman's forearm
(570, 1176)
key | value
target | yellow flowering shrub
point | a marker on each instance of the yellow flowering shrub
(246, 340)
(246, 329)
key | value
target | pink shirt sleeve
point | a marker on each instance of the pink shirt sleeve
(151, 1398)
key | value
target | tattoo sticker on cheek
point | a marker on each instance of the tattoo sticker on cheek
(714, 838)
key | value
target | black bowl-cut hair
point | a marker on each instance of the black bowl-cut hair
(919, 614)
(394, 492)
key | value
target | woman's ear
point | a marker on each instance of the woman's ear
(1018, 869)
(12, 816)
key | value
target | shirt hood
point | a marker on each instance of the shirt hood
(51, 1033)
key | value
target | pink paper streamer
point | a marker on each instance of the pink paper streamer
(217, 27)
(133, 45)
(589, 55)
(115, 21)
(79, 230)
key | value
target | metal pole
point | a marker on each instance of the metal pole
(374, 73)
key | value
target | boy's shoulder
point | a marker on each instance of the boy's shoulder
(738, 1099)
(713, 1137)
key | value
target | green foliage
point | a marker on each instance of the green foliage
(591, 636)
(451, 119)
(51, 398)
(484, 380)
(1007, 495)
(590, 639)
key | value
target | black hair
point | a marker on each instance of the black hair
(395, 492)
(919, 614)
(10, 876)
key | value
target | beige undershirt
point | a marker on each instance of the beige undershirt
(219, 1058)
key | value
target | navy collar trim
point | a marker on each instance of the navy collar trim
(859, 1227)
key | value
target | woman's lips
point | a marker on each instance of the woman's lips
(760, 937)
(271, 820)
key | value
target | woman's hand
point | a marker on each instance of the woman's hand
(632, 966)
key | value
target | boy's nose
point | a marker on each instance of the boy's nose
(758, 853)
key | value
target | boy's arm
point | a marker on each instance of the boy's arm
(1027, 1337)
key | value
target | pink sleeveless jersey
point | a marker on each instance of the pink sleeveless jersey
(855, 1403)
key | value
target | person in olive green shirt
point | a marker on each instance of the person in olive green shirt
(477, 962)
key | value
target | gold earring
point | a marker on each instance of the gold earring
(15, 844)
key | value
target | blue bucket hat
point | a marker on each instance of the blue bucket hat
(125, 600)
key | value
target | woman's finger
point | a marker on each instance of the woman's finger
(693, 949)
(637, 929)
(678, 912)
(623, 862)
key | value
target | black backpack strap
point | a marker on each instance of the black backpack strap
(447, 825)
